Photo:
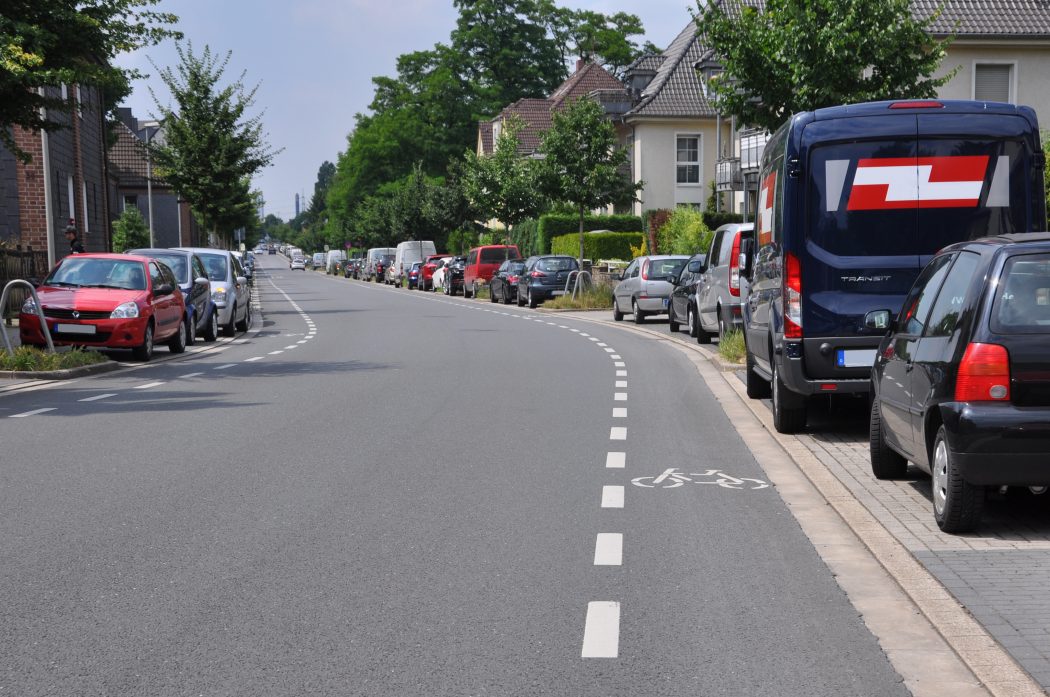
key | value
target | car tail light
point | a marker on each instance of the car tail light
(984, 374)
(793, 298)
(734, 268)
(512, 279)
(918, 104)
(538, 274)
(645, 270)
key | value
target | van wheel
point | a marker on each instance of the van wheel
(617, 315)
(789, 409)
(722, 331)
(675, 326)
(757, 388)
(638, 316)
(957, 504)
(886, 463)
(702, 335)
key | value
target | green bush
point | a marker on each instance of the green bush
(524, 236)
(684, 233)
(598, 297)
(598, 245)
(130, 231)
(27, 358)
(555, 224)
(715, 220)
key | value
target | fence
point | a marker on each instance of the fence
(19, 263)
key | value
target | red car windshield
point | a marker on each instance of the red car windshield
(80, 272)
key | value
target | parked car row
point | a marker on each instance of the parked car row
(140, 299)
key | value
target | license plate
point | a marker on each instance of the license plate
(666, 301)
(75, 328)
(557, 292)
(856, 358)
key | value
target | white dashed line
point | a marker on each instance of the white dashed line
(620, 397)
(601, 631)
(621, 383)
(619, 413)
(609, 350)
(602, 344)
(274, 353)
(614, 356)
(253, 359)
(621, 373)
(301, 342)
(575, 330)
(620, 364)
(291, 347)
(31, 413)
(190, 375)
(224, 367)
(612, 497)
(618, 433)
(582, 334)
(593, 338)
(608, 549)
(98, 397)
(148, 385)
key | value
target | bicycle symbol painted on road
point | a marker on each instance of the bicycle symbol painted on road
(672, 478)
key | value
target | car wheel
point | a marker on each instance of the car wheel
(617, 315)
(242, 326)
(492, 295)
(670, 319)
(191, 331)
(721, 325)
(638, 317)
(957, 504)
(178, 342)
(691, 321)
(532, 300)
(466, 293)
(506, 297)
(520, 299)
(144, 351)
(789, 409)
(230, 329)
(886, 463)
(211, 332)
(702, 335)
(757, 388)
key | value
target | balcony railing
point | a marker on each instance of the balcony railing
(728, 176)
(752, 144)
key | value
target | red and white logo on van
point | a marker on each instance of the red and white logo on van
(765, 208)
(922, 182)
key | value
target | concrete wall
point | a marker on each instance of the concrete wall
(1031, 73)
(653, 162)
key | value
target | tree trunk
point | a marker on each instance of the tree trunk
(581, 237)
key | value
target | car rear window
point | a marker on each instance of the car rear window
(497, 255)
(666, 267)
(216, 266)
(1022, 302)
(559, 264)
(177, 263)
(902, 197)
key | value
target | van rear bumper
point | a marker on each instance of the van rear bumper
(793, 374)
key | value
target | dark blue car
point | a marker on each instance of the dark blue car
(201, 315)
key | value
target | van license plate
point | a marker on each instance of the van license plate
(666, 302)
(856, 358)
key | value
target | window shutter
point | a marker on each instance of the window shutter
(992, 83)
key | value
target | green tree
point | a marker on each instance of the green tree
(684, 233)
(211, 149)
(130, 231)
(62, 41)
(604, 39)
(799, 55)
(505, 185)
(583, 163)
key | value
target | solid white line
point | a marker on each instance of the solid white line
(190, 375)
(620, 397)
(608, 549)
(621, 373)
(98, 397)
(224, 367)
(31, 413)
(148, 385)
(621, 383)
(618, 433)
(612, 497)
(619, 413)
(620, 364)
(601, 631)
(252, 360)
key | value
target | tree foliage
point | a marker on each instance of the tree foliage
(799, 55)
(210, 148)
(505, 185)
(583, 163)
(130, 231)
(72, 42)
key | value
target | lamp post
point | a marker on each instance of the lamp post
(150, 131)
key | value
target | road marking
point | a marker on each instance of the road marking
(31, 413)
(301, 342)
(291, 347)
(602, 343)
(621, 383)
(98, 397)
(620, 397)
(562, 326)
(253, 359)
(612, 497)
(224, 367)
(148, 385)
(619, 413)
(583, 334)
(618, 433)
(621, 373)
(614, 356)
(219, 349)
(608, 549)
(190, 375)
(575, 330)
(620, 364)
(610, 350)
(601, 631)
(274, 353)
(593, 338)
(240, 341)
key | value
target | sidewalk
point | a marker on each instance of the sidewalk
(998, 574)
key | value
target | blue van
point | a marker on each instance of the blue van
(853, 202)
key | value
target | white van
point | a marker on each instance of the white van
(408, 252)
(333, 261)
(374, 255)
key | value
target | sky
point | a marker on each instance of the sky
(314, 61)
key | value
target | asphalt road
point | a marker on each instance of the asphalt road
(378, 491)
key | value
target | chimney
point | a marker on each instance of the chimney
(580, 62)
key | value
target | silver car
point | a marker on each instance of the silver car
(229, 288)
(644, 288)
(723, 286)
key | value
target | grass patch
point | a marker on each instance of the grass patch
(31, 359)
(594, 298)
(731, 348)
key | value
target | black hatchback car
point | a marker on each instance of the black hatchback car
(961, 383)
(504, 283)
(544, 277)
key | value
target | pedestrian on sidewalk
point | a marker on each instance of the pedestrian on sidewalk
(74, 242)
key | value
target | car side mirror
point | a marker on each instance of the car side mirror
(672, 279)
(200, 281)
(241, 280)
(879, 320)
(695, 266)
(164, 289)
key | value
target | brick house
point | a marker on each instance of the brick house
(67, 179)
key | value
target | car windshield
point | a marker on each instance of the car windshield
(666, 267)
(216, 265)
(1022, 303)
(177, 263)
(98, 273)
(556, 264)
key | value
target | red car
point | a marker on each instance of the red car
(429, 267)
(115, 301)
(482, 263)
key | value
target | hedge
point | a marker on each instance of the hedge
(598, 245)
(555, 224)
(715, 220)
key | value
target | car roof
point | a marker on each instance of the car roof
(1024, 240)
(204, 250)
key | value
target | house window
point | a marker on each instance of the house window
(992, 82)
(131, 202)
(83, 196)
(687, 159)
(70, 198)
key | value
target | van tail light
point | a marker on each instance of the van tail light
(984, 374)
(538, 274)
(792, 298)
(645, 270)
(734, 268)
(917, 104)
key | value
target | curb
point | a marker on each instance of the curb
(67, 374)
